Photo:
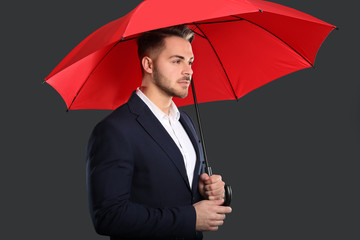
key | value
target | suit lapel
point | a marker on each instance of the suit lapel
(186, 123)
(155, 129)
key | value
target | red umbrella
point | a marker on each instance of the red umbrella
(240, 46)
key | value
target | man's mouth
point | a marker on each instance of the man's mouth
(185, 81)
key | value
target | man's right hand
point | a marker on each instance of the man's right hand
(210, 214)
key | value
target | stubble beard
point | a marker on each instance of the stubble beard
(162, 82)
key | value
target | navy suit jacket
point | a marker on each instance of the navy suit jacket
(136, 177)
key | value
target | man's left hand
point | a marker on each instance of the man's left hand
(211, 187)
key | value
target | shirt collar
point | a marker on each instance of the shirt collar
(174, 112)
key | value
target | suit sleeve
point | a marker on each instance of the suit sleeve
(110, 167)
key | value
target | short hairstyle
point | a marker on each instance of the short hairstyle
(153, 41)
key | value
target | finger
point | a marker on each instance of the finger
(213, 179)
(222, 196)
(217, 193)
(216, 223)
(213, 228)
(223, 209)
(217, 202)
(214, 191)
(218, 217)
(214, 186)
(212, 197)
(204, 177)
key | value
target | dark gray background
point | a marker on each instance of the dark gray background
(289, 149)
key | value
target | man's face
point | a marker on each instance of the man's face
(172, 68)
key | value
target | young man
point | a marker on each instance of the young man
(144, 159)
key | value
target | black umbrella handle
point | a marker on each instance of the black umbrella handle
(228, 195)
(208, 170)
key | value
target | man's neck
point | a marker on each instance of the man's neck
(161, 100)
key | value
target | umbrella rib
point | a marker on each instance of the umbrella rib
(218, 60)
(225, 21)
(91, 73)
(277, 38)
(204, 23)
(193, 29)
(198, 34)
(127, 39)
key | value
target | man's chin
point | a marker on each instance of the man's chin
(183, 95)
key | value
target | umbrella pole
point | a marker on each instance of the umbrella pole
(208, 170)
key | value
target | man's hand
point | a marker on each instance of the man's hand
(210, 214)
(211, 188)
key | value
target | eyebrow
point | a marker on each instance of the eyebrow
(181, 57)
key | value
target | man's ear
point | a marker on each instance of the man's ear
(147, 64)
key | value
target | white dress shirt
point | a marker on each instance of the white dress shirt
(177, 132)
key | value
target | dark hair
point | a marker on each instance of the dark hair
(154, 40)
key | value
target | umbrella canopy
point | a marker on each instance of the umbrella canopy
(239, 46)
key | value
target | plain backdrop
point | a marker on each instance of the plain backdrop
(290, 149)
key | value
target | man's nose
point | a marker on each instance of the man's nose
(188, 70)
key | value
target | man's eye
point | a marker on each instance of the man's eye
(176, 61)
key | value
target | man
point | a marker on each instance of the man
(143, 160)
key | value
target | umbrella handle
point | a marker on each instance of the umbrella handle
(228, 195)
